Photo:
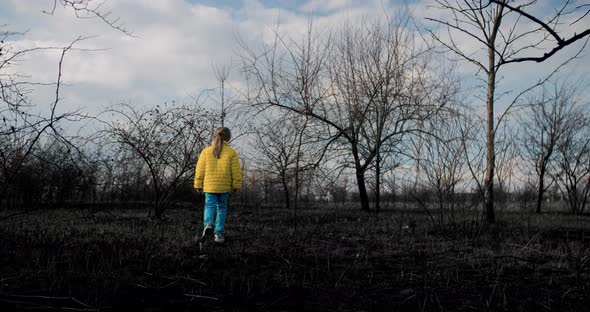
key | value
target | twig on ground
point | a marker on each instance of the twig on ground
(201, 297)
(531, 240)
(44, 306)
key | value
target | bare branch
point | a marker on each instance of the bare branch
(87, 9)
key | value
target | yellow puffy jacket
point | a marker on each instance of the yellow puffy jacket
(221, 175)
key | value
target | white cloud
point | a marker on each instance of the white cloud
(174, 46)
(323, 6)
(176, 42)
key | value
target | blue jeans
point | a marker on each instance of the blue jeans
(216, 203)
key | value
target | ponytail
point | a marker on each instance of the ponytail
(220, 135)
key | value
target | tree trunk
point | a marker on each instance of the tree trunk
(298, 159)
(158, 211)
(286, 191)
(541, 188)
(157, 201)
(490, 131)
(222, 103)
(296, 201)
(360, 179)
(378, 181)
(490, 149)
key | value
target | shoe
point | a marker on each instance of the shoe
(219, 238)
(207, 231)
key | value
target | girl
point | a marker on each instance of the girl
(217, 174)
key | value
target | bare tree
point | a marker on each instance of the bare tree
(385, 89)
(226, 102)
(543, 126)
(474, 145)
(574, 162)
(277, 143)
(22, 129)
(472, 136)
(168, 139)
(442, 165)
(363, 86)
(121, 176)
(500, 29)
(285, 152)
(506, 157)
(24, 126)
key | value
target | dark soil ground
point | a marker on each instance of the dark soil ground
(335, 259)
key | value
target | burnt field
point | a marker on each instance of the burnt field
(332, 260)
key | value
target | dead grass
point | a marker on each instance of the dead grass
(336, 259)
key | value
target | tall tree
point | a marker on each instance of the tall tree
(544, 125)
(363, 86)
(225, 101)
(507, 33)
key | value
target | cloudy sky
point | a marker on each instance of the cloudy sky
(176, 42)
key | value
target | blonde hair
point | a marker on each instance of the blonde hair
(220, 135)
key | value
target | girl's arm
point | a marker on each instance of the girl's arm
(236, 173)
(200, 172)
